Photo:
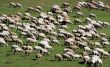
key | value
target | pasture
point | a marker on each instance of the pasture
(7, 59)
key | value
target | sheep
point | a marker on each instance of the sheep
(39, 7)
(64, 27)
(99, 49)
(95, 52)
(84, 38)
(66, 56)
(14, 46)
(46, 45)
(2, 42)
(102, 34)
(18, 49)
(105, 53)
(92, 15)
(77, 56)
(19, 42)
(31, 40)
(19, 5)
(97, 44)
(27, 52)
(73, 47)
(100, 61)
(77, 8)
(70, 53)
(27, 48)
(37, 48)
(100, 5)
(45, 52)
(27, 14)
(55, 41)
(56, 9)
(102, 51)
(106, 24)
(79, 14)
(68, 50)
(42, 35)
(107, 8)
(12, 4)
(86, 59)
(84, 53)
(69, 42)
(31, 9)
(43, 15)
(67, 9)
(105, 43)
(15, 5)
(96, 59)
(42, 50)
(38, 56)
(87, 49)
(88, 19)
(65, 4)
(77, 21)
(58, 57)
(103, 39)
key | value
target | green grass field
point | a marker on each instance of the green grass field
(47, 61)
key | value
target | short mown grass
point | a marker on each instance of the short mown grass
(7, 59)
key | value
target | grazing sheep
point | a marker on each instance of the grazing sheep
(42, 50)
(77, 8)
(39, 7)
(58, 57)
(70, 53)
(91, 15)
(19, 5)
(38, 56)
(27, 52)
(27, 48)
(79, 14)
(64, 5)
(68, 50)
(14, 46)
(86, 59)
(3, 42)
(77, 21)
(87, 49)
(12, 4)
(96, 60)
(77, 56)
(55, 41)
(66, 56)
(97, 44)
(31, 40)
(15, 5)
(45, 45)
(19, 50)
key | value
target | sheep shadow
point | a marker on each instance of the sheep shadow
(52, 60)
(81, 62)
(59, 60)
(87, 65)
(34, 59)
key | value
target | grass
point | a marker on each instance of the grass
(20, 61)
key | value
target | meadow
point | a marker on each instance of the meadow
(47, 61)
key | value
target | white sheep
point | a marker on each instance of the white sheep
(18, 49)
(19, 5)
(12, 4)
(97, 44)
(86, 59)
(3, 42)
(87, 48)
